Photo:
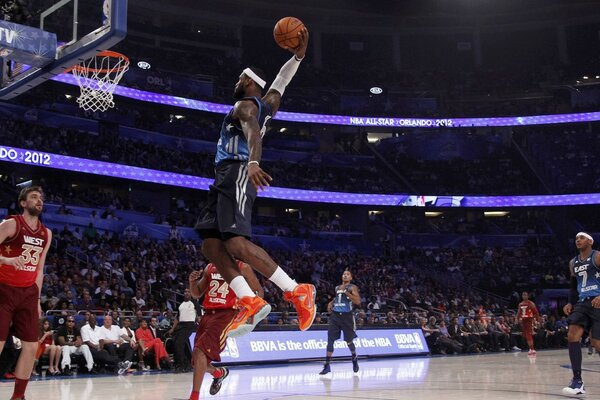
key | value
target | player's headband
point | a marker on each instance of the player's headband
(585, 235)
(260, 82)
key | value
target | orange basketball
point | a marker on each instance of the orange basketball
(286, 32)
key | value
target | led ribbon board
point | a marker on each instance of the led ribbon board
(263, 346)
(75, 164)
(349, 120)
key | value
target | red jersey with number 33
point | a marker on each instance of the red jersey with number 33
(218, 295)
(29, 245)
(527, 310)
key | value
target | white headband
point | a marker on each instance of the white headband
(585, 235)
(261, 82)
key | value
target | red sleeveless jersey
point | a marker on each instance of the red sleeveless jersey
(218, 295)
(527, 310)
(29, 245)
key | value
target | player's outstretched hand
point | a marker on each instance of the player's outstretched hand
(596, 302)
(300, 51)
(259, 178)
(567, 309)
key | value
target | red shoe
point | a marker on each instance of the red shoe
(9, 375)
(248, 307)
(303, 298)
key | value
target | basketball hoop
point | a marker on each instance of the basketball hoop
(98, 78)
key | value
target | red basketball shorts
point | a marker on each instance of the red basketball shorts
(210, 336)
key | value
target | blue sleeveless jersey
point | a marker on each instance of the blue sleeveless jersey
(588, 276)
(342, 303)
(232, 143)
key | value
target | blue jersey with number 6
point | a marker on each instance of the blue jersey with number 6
(588, 276)
(232, 143)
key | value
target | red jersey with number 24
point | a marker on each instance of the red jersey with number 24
(218, 295)
(28, 244)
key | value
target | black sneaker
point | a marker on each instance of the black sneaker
(66, 370)
(355, 364)
(326, 372)
(216, 383)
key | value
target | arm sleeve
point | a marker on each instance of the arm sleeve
(286, 73)
(573, 294)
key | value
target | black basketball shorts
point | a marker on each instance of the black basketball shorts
(341, 322)
(230, 200)
(586, 315)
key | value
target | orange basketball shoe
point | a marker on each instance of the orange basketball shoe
(303, 298)
(248, 307)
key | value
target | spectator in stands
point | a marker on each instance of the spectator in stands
(86, 303)
(446, 344)
(167, 321)
(137, 321)
(49, 301)
(90, 233)
(113, 343)
(69, 338)
(139, 300)
(90, 335)
(48, 347)
(431, 333)
(149, 343)
(506, 329)
(373, 304)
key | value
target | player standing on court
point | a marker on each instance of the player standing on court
(24, 243)
(583, 308)
(341, 319)
(526, 314)
(225, 223)
(219, 312)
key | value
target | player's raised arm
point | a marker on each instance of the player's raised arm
(286, 73)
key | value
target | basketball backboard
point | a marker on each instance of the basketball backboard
(80, 29)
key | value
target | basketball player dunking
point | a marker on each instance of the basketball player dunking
(220, 310)
(526, 314)
(225, 223)
(583, 308)
(24, 243)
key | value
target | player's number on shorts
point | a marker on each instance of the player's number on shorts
(584, 281)
(222, 289)
(31, 254)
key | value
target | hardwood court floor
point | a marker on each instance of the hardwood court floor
(488, 377)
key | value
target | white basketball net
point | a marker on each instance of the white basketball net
(98, 77)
